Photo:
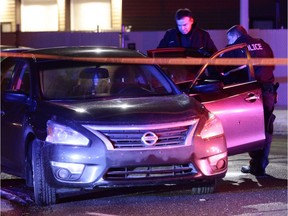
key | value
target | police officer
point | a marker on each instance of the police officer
(188, 35)
(264, 75)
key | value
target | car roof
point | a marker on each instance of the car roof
(88, 51)
(11, 48)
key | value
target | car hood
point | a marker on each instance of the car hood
(122, 111)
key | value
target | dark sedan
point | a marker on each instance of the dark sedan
(71, 120)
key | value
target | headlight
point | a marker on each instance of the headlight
(60, 134)
(212, 128)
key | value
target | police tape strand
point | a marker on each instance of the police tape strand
(159, 61)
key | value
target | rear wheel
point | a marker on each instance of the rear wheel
(43, 193)
(204, 187)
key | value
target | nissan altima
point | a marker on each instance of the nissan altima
(73, 119)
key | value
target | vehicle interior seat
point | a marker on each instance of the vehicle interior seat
(123, 78)
(93, 81)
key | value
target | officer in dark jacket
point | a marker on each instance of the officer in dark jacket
(188, 35)
(264, 75)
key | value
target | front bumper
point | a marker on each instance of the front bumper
(107, 161)
(128, 168)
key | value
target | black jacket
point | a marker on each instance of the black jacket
(195, 39)
(258, 49)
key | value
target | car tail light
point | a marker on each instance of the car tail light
(212, 128)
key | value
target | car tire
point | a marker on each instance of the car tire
(43, 193)
(204, 187)
(29, 169)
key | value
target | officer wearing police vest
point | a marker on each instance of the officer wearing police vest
(264, 75)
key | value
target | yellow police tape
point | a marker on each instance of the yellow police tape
(161, 61)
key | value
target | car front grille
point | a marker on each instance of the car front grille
(149, 172)
(130, 137)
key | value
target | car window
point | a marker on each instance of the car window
(181, 73)
(16, 77)
(187, 76)
(178, 73)
(6, 78)
(234, 74)
(227, 74)
(84, 81)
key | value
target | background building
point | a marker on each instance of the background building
(136, 15)
(61, 15)
(155, 15)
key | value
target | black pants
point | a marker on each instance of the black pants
(259, 159)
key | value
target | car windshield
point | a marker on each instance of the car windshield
(181, 73)
(72, 80)
(178, 73)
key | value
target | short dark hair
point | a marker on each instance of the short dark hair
(237, 29)
(183, 12)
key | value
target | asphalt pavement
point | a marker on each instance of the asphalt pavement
(280, 123)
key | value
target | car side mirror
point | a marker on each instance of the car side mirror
(19, 96)
(14, 96)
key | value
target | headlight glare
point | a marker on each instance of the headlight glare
(60, 134)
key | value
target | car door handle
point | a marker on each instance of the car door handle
(252, 97)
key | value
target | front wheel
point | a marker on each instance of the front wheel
(43, 193)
